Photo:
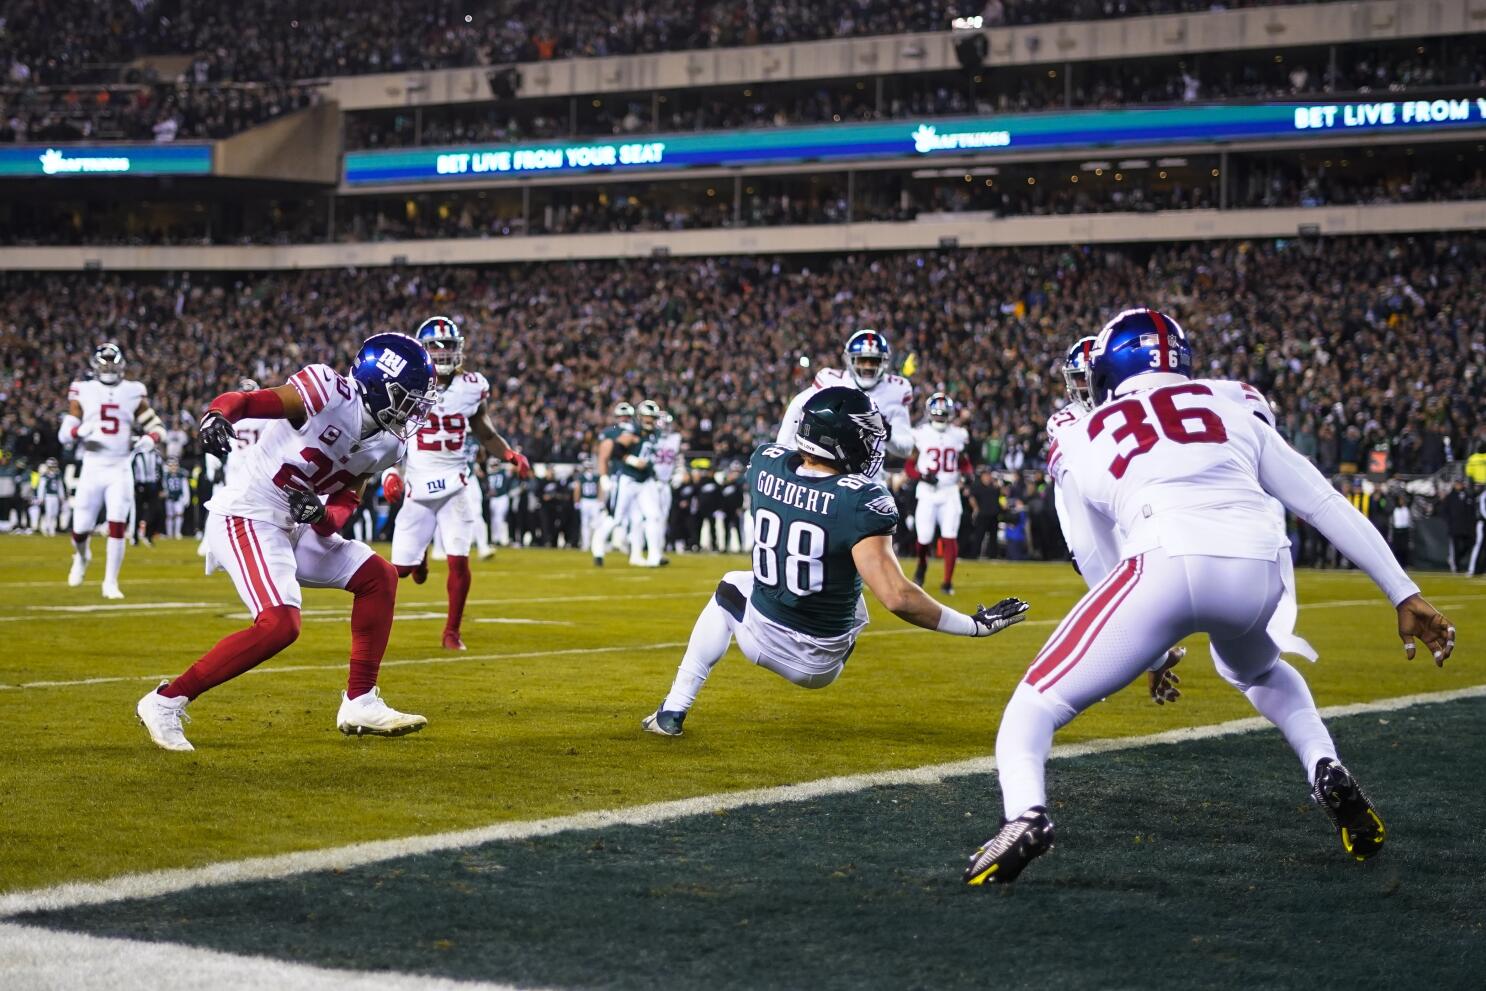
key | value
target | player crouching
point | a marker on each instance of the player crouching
(270, 530)
(821, 528)
(437, 473)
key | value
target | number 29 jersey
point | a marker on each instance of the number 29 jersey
(326, 454)
(1177, 467)
(436, 463)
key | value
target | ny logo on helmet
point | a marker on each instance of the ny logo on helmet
(391, 363)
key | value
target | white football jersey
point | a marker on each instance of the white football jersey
(249, 430)
(893, 395)
(326, 454)
(110, 410)
(666, 451)
(1177, 467)
(437, 464)
(940, 453)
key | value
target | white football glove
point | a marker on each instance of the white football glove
(146, 442)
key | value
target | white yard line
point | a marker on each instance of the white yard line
(36, 958)
(157, 883)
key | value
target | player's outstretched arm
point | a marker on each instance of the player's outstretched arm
(492, 441)
(879, 568)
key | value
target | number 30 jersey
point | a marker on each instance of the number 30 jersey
(940, 453)
(1177, 467)
(804, 529)
(436, 462)
(325, 455)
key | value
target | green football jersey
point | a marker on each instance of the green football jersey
(644, 447)
(612, 433)
(803, 532)
(588, 484)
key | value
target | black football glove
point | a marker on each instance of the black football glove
(216, 434)
(305, 507)
(1008, 612)
(930, 477)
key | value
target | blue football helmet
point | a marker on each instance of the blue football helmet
(445, 344)
(940, 408)
(395, 377)
(1137, 342)
(867, 354)
(1076, 373)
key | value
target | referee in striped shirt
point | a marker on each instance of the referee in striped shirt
(149, 509)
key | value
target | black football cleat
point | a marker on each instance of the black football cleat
(947, 589)
(1351, 811)
(919, 573)
(663, 723)
(1002, 857)
(598, 562)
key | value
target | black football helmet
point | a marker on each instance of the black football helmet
(845, 427)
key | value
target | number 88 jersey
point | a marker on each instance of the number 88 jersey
(436, 464)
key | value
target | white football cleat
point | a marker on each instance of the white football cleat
(111, 591)
(79, 568)
(486, 553)
(163, 717)
(369, 714)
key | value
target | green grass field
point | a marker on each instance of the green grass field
(541, 718)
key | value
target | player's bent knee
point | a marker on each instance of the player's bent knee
(377, 576)
(279, 626)
(116, 530)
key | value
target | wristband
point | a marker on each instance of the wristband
(956, 623)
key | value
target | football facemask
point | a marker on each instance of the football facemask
(108, 363)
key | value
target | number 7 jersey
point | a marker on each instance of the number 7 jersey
(325, 455)
(1176, 467)
(436, 464)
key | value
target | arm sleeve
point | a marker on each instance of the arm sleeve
(1089, 534)
(68, 432)
(1303, 490)
(900, 444)
(790, 425)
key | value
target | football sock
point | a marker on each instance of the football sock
(923, 555)
(459, 590)
(1282, 696)
(80, 544)
(115, 555)
(272, 631)
(709, 641)
(375, 588)
(1022, 746)
(951, 548)
(655, 538)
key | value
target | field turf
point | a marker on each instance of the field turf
(1204, 855)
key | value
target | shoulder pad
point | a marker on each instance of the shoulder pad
(319, 386)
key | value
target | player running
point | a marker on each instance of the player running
(109, 418)
(271, 530)
(435, 472)
(939, 461)
(1173, 479)
(821, 527)
(867, 356)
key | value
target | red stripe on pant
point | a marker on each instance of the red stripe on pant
(242, 564)
(1078, 624)
(239, 532)
(1094, 635)
(273, 590)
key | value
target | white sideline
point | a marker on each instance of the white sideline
(153, 884)
(33, 958)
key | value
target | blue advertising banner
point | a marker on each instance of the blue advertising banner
(122, 159)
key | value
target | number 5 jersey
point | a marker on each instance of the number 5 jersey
(437, 465)
(326, 454)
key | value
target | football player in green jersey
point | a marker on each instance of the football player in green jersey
(607, 459)
(821, 528)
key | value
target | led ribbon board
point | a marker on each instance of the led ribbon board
(911, 139)
(63, 161)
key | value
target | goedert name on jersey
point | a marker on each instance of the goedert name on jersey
(108, 414)
(325, 455)
(939, 454)
(437, 464)
(804, 529)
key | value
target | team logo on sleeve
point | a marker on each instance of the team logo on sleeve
(882, 505)
(392, 363)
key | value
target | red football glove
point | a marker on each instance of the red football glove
(392, 486)
(519, 462)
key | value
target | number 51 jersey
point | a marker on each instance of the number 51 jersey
(325, 455)
(436, 462)
(1177, 467)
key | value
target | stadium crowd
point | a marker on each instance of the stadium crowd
(66, 41)
(160, 113)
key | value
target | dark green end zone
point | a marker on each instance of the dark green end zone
(1195, 866)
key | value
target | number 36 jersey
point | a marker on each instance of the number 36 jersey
(325, 455)
(804, 529)
(1181, 467)
(436, 462)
